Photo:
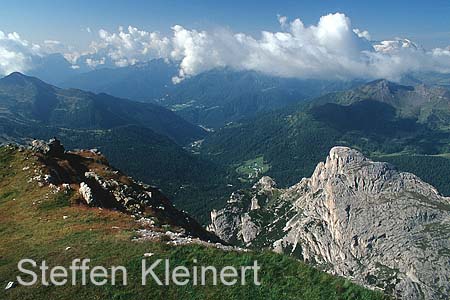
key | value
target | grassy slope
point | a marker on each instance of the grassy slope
(32, 226)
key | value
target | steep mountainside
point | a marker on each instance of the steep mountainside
(29, 101)
(380, 118)
(354, 217)
(57, 206)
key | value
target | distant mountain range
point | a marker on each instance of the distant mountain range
(143, 82)
(212, 98)
(383, 119)
(29, 101)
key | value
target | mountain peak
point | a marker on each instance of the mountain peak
(15, 76)
(18, 78)
(355, 217)
(346, 153)
(386, 86)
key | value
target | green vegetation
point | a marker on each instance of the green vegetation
(292, 141)
(33, 227)
(29, 101)
(143, 140)
(253, 168)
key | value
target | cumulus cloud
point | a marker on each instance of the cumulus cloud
(20, 55)
(331, 49)
(128, 46)
(16, 54)
(362, 34)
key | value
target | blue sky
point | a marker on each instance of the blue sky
(426, 22)
(337, 39)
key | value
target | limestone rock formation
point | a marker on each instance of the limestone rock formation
(354, 217)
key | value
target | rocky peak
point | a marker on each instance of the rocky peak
(351, 167)
(15, 77)
(340, 159)
(357, 218)
(382, 86)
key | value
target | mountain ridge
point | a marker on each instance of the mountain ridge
(212, 98)
(31, 99)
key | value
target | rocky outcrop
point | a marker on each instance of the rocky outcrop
(51, 148)
(97, 184)
(354, 217)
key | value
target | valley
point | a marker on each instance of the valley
(199, 167)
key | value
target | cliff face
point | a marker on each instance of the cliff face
(354, 217)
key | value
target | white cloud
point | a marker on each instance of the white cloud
(129, 46)
(93, 63)
(20, 55)
(16, 54)
(52, 46)
(362, 34)
(330, 49)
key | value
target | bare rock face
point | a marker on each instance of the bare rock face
(354, 217)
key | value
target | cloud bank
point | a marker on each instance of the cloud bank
(330, 49)
(20, 55)
(16, 54)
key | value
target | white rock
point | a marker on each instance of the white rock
(86, 193)
(10, 285)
